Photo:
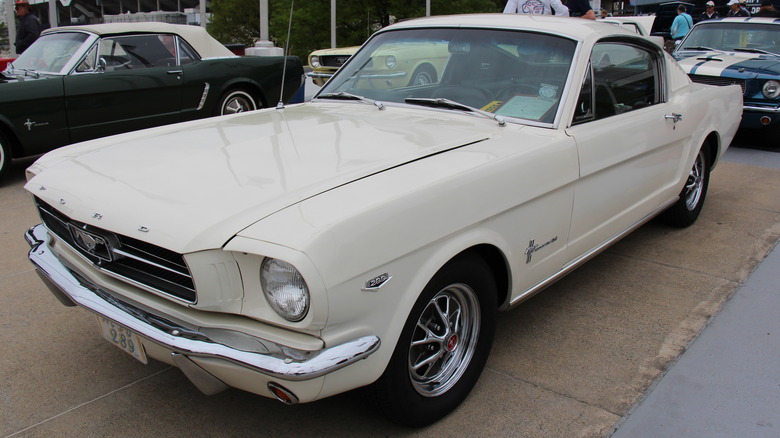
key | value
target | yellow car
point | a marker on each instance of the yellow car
(325, 62)
(390, 67)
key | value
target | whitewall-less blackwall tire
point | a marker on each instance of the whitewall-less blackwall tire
(443, 346)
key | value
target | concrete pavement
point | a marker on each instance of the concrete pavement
(727, 383)
(571, 362)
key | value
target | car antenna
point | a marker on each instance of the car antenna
(280, 105)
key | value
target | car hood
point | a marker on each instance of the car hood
(741, 65)
(193, 186)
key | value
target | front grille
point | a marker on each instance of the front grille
(717, 80)
(130, 259)
(333, 60)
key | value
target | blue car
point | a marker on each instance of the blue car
(744, 51)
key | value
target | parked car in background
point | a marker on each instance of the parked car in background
(82, 82)
(739, 51)
(325, 62)
(368, 237)
(410, 64)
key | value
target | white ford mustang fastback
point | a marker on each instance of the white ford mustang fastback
(369, 237)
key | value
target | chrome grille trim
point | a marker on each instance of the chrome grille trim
(718, 80)
(141, 264)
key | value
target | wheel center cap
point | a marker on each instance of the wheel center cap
(452, 342)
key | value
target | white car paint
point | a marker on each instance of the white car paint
(350, 191)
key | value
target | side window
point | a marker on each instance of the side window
(187, 54)
(624, 78)
(137, 51)
(89, 62)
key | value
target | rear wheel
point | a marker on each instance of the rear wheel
(687, 209)
(237, 101)
(5, 155)
(443, 347)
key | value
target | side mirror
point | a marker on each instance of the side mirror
(102, 65)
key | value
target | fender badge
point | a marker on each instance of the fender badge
(532, 248)
(377, 282)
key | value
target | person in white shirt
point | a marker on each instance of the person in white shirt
(536, 7)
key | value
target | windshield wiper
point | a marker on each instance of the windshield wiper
(708, 49)
(440, 102)
(343, 95)
(754, 50)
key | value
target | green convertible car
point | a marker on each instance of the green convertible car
(83, 82)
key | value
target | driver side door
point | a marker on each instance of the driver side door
(126, 83)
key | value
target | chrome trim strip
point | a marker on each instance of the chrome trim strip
(202, 103)
(284, 363)
(585, 257)
(312, 74)
(761, 109)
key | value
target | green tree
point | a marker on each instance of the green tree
(237, 21)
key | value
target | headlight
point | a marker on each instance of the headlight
(285, 289)
(390, 62)
(314, 61)
(771, 89)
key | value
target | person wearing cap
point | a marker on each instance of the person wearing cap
(767, 10)
(709, 12)
(682, 23)
(29, 28)
(736, 9)
(536, 7)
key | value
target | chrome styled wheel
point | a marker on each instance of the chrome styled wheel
(694, 186)
(443, 346)
(444, 340)
(688, 207)
(236, 101)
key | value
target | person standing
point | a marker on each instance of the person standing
(581, 9)
(736, 10)
(536, 7)
(709, 12)
(682, 23)
(29, 28)
(767, 10)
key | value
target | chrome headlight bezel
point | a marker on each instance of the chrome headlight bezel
(314, 61)
(285, 289)
(390, 62)
(771, 89)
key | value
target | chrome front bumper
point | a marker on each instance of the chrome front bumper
(276, 361)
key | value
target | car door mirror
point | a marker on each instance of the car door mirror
(102, 65)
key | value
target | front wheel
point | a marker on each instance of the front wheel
(686, 210)
(443, 346)
(236, 101)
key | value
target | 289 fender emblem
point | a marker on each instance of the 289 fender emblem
(377, 282)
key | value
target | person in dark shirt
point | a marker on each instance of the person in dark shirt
(581, 8)
(767, 10)
(736, 9)
(709, 12)
(29, 28)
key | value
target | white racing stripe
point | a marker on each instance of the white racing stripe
(713, 63)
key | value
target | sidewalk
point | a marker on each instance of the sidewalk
(727, 383)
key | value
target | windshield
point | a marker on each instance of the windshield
(50, 53)
(507, 73)
(734, 36)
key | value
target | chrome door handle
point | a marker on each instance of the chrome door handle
(673, 117)
(178, 72)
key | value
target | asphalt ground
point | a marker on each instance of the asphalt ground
(578, 360)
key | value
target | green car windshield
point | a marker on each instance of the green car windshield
(503, 72)
(50, 53)
(734, 36)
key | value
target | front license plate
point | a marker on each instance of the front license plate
(123, 338)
